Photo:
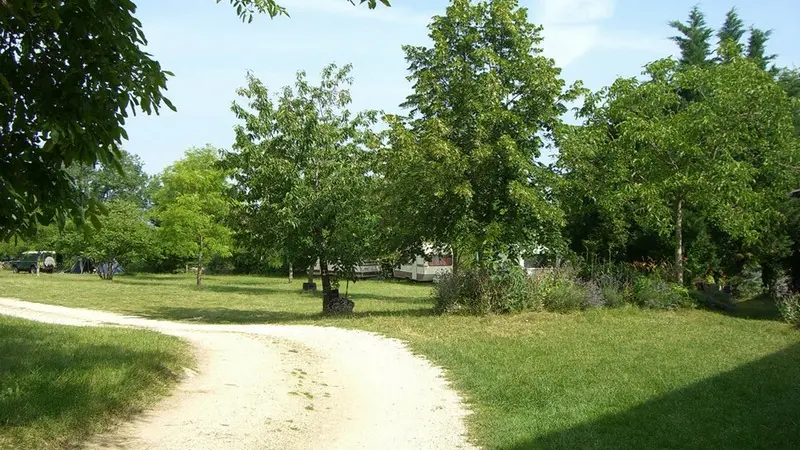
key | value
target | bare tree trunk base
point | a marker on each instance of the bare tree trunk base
(333, 303)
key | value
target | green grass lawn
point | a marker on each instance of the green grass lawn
(598, 379)
(60, 384)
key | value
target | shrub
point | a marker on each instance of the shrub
(561, 291)
(594, 294)
(781, 287)
(509, 289)
(566, 295)
(790, 309)
(614, 296)
(504, 289)
(658, 294)
(449, 292)
(748, 282)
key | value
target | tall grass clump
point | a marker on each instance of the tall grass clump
(788, 302)
(790, 309)
(655, 293)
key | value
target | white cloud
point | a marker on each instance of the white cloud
(573, 28)
(566, 44)
(628, 41)
(576, 11)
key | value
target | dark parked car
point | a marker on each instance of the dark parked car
(28, 261)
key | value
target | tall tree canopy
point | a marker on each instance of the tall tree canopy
(301, 162)
(730, 36)
(730, 153)
(191, 207)
(757, 47)
(694, 40)
(67, 81)
(789, 79)
(70, 71)
(461, 171)
(106, 182)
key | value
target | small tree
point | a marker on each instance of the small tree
(301, 162)
(190, 207)
(124, 238)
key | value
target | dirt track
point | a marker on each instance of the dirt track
(284, 387)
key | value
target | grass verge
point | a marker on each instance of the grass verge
(598, 379)
(60, 384)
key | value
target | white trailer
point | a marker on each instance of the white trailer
(368, 269)
(421, 269)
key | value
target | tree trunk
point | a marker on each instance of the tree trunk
(291, 273)
(679, 243)
(200, 264)
(455, 262)
(310, 286)
(326, 277)
(110, 273)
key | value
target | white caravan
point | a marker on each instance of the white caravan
(421, 269)
(365, 270)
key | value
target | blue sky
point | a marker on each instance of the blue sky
(210, 50)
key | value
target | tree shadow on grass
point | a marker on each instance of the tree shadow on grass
(42, 380)
(239, 289)
(758, 308)
(243, 316)
(755, 406)
(253, 288)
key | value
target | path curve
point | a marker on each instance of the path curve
(283, 387)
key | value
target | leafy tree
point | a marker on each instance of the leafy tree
(757, 47)
(730, 37)
(124, 237)
(728, 154)
(694, 39)
(191, 206)
(789, 79)
(44, 238)
(301, 162)
(69, 74)
(461, 171)
(106, 183)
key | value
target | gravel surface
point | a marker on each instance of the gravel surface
(284, 387)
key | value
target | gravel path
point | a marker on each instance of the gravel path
(284, 387)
